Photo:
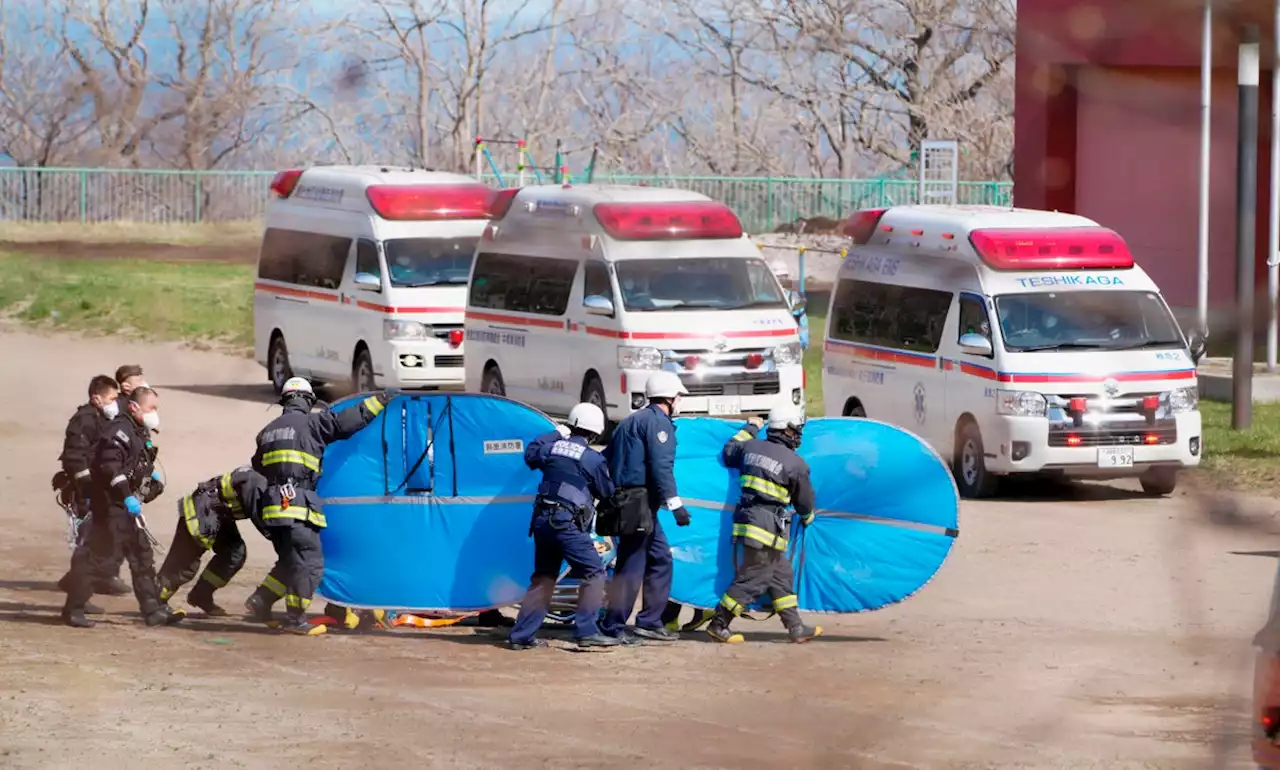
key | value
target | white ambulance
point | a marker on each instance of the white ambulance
(1012, 341)
(362, 275)
(579, 293)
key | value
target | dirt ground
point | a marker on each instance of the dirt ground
(1086, 627)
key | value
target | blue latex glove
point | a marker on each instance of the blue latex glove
(156, 475)
(132, 505)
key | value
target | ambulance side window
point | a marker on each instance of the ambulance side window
(973, 317)
(888, 315)
(595, 281)
(310, 259)
(367, 260)
(522, 284)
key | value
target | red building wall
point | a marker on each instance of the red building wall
(1107, 125)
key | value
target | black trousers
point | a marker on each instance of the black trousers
(761, 571)
(183, 561)
(299, 563)
(114, 535)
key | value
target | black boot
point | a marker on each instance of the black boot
(113, 586)
(802, 633)
(92, 609)
(165, 616)
(494, 619)
(201, 597)
(258, 608)
(76, 619)
(719, 628)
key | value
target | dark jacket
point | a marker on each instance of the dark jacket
(773, 477)
(220, 501)
(642, 453)
(80, 444)
(122, 461)
(290, 450)
(574, 475)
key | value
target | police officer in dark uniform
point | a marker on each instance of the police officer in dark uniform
(573, 477)
(207, 521)
(641, 459)
(123, 477)
(289, 452)
(773, 477)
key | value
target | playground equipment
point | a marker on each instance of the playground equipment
(558, 171)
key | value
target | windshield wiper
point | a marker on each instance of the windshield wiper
(417, 285)
(756, 303)
(1060, 346)
(1148, 344)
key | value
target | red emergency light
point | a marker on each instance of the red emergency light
(668, 220)
(862, 225)
(691, 362)
(754, 360)
(1151, 403)
(283, 183)
(421, 202)
(1078, 405)
(455, 337)
(1064, 248)
(1073, 440)
(1151, 438)
(500, 201)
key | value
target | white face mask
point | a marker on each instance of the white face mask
(151, 420)
(111, 410)
(675, 406)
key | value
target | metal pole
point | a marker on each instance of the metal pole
(1206, 128)
(1246, 222)
(1273, 246)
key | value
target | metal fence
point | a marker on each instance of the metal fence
(162, 196)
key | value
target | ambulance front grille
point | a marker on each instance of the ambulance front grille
(448, 362)
(763, 384)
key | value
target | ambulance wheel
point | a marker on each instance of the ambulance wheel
(362, 372)
(278, 362)
(969, 465)
(854, 409)
(593, 393)
(1158, 482)
(491, 382)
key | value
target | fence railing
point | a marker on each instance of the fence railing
(163, 196)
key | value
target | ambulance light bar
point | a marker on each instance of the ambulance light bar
(862, 225)
(500, 201)
(283, 183)
(668, 221)
(1066, 248)
(430, 201)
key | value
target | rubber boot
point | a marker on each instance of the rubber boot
(297, 624)
(258, 607)
(719, 628)
(76, 619)
(700, 619)
(802, 633)
(346, 616)
(201, 597)
(165, 616)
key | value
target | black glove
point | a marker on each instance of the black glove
(385, 396)
(682, 516)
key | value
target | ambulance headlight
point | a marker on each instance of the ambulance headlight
(788, 353)
(394, 329)
(639, 358)
(1020, 403)
(1183, 400)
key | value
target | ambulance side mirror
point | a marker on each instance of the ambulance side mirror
(797, 304)
(598, 305)
(368, 281)
(1196, 346)
(975, 344)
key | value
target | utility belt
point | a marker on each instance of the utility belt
(292, 500)
(626, 512)
(543, 506)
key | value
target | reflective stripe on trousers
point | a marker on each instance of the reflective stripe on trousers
(193, 523)
(760, 535)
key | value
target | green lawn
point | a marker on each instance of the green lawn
(1247, 460)
(196, 302)
(813, 361)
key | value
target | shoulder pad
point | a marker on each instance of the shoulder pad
(121, 437)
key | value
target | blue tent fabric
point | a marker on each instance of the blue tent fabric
(428, 506)
(887, 515)
(428, 509)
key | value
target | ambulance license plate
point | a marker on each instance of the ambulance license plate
(723, 406)
(1115, 457)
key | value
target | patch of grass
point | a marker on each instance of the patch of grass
(1247, 460)
(813, 361)
(197, 302)
(203, 234)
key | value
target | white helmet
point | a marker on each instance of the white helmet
(296, 386)
(587, 417)
(786, 416)
(664, 385)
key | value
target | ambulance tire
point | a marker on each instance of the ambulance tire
(362, 372)
(969, 464)
(491, 382)
(593, 393)
(1159, 482)
(278, 368)
(854, 409)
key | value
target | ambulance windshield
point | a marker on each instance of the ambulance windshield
(717, 283)
(1086, 320)
(414, 262)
